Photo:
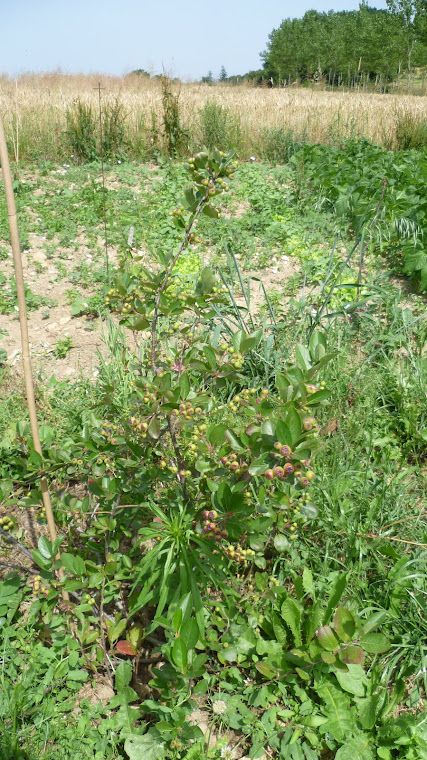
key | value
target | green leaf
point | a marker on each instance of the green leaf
(344, 624)
(73, 564)
(294, 424)
(337, 591)
(357, 747)
(210, 211)
(184, 386)
(265, 669)
(258, 466)
(216, 434)
(316, 398)
(77, 675)
(302, 356)
(291, 614)
(352, 655)
(353, 681)
(328, 657)
(45, 547)
(190, 633)
(154, 429)
(145, 748)
(123, 675)
(375, 643)
(283, 433)
(233, 440)
(341, 720)
(327, 638)
(307, 581)
(180, 653)
(281, 543)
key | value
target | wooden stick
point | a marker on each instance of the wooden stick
(20, 290)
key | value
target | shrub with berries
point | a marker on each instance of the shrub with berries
(203, 470)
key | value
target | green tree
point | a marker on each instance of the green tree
(223, 74)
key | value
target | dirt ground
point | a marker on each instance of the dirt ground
(48, 325)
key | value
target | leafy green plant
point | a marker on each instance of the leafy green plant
(62, 347)
(219, 127)
(80, 133)
(176, 137)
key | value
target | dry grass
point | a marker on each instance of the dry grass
(34, 109)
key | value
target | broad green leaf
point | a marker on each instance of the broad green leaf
(265, 669)
(353, 681)
(302, 356)
(259, 465)
(358, 747)
(145, 748)
(45, 547)
(294, 424)
(375, 643)
(327, 638)
(283, 433)
(123, 675)
(344, 624)
(307, 581)
(281, 543)
(210, 211)
(180, 654)
(73, 564)
(316, 398)
(341, 719)
(352, 655)
(328, 657)
(216, 434)
(190, 633)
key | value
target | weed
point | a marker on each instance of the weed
(62, 347)
(176, 137)
(80, 133)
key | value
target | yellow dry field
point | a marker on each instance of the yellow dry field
(34, 109)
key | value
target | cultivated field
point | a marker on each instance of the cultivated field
(34, 108)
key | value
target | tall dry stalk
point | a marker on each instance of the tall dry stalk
(20, 289)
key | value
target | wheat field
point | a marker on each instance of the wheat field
(34, 109)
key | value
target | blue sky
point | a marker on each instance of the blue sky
(185, 38)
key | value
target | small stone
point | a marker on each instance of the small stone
(64, 320)
(68, 371)
(52, 326)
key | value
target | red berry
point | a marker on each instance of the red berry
(285, 451)
(269, 474)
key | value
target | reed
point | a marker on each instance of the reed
(34, 109)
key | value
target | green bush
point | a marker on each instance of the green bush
(218, 127)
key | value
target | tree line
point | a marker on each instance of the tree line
(347, 47)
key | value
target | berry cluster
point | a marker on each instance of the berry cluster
(138, 426)
(109, 432)
(237, 554)
(310, 423)
(288, 468)
(209, 527)
(37, 588)
(231, 356)
(6, 522)
(233, 464)
(186, 411)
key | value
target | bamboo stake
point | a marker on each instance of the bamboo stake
(20, 290)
